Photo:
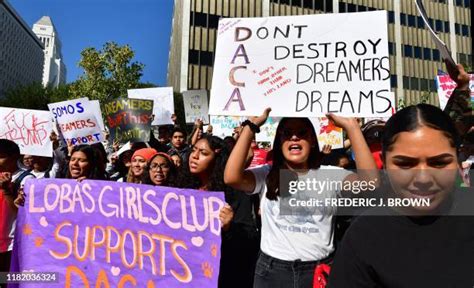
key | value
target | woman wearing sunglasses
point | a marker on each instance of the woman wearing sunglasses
(292, 246)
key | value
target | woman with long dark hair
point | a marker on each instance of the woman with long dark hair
(293, 242)
(83, 164)
(205, 171)
(416, 245)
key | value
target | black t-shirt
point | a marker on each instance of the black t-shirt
(400, 251)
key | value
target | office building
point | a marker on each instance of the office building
(21, 52)
(414, 61)
(54, 72)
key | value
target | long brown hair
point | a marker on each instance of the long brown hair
(279, 161)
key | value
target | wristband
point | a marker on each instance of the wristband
(252, 126)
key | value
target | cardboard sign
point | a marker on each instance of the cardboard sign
(77, 121)
(129, 119)
(163, 102)
(30, 129)
(195, 105)
(303, 66)
(111, 234)
(446, 87)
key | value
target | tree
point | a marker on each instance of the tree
(108, 73)
(34, 96)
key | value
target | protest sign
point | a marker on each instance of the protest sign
(223, 126)
(195, 106)
(268, 130)
(163, 102)
(111, 234)
(129, 119)
(303, 66)
(77, 121)
(30, 129)
(328, 133)
(446, 87)
(95, 106)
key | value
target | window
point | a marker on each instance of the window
(417, 52)
(446, 27)
(408, 51)
(309, 4)
(424, 85)
(439, 26)
(414, 83)
(465, 30)
(361, 8)
(391, 48)
(420, 22)
(351, 8)
(342, 7)
(457, 28)
(427, 53)
(436, 56)
(403, 19)
(406, 82)
(391, 17)
(393, 81)
(411, 21)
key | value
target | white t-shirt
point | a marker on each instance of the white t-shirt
(307, 237)
(8, 217)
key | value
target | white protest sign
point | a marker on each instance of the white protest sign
(303, 66)
(223, 126)
(95, 106)
(195, 105)
(268, 130)
(30, 129)
(163, 102)
(77, 121)
(446, 87)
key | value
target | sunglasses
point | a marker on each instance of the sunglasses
(288, 134)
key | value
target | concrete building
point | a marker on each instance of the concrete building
(413, 58)
(21, 53)
(54, 72)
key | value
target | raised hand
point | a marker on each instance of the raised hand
(260, 120)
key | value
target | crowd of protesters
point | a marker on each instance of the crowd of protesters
(423, 249)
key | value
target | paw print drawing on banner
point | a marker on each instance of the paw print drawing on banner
(214, 250)
(207, 270)
(27, 229)
(39, 241)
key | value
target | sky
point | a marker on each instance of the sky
(143, 24)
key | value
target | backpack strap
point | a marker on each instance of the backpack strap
(17, 182)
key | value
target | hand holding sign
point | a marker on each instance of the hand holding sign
(458, 75)
(346, 123)
(225, 216)
(260, 120)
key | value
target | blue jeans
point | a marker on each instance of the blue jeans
(273, 272)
